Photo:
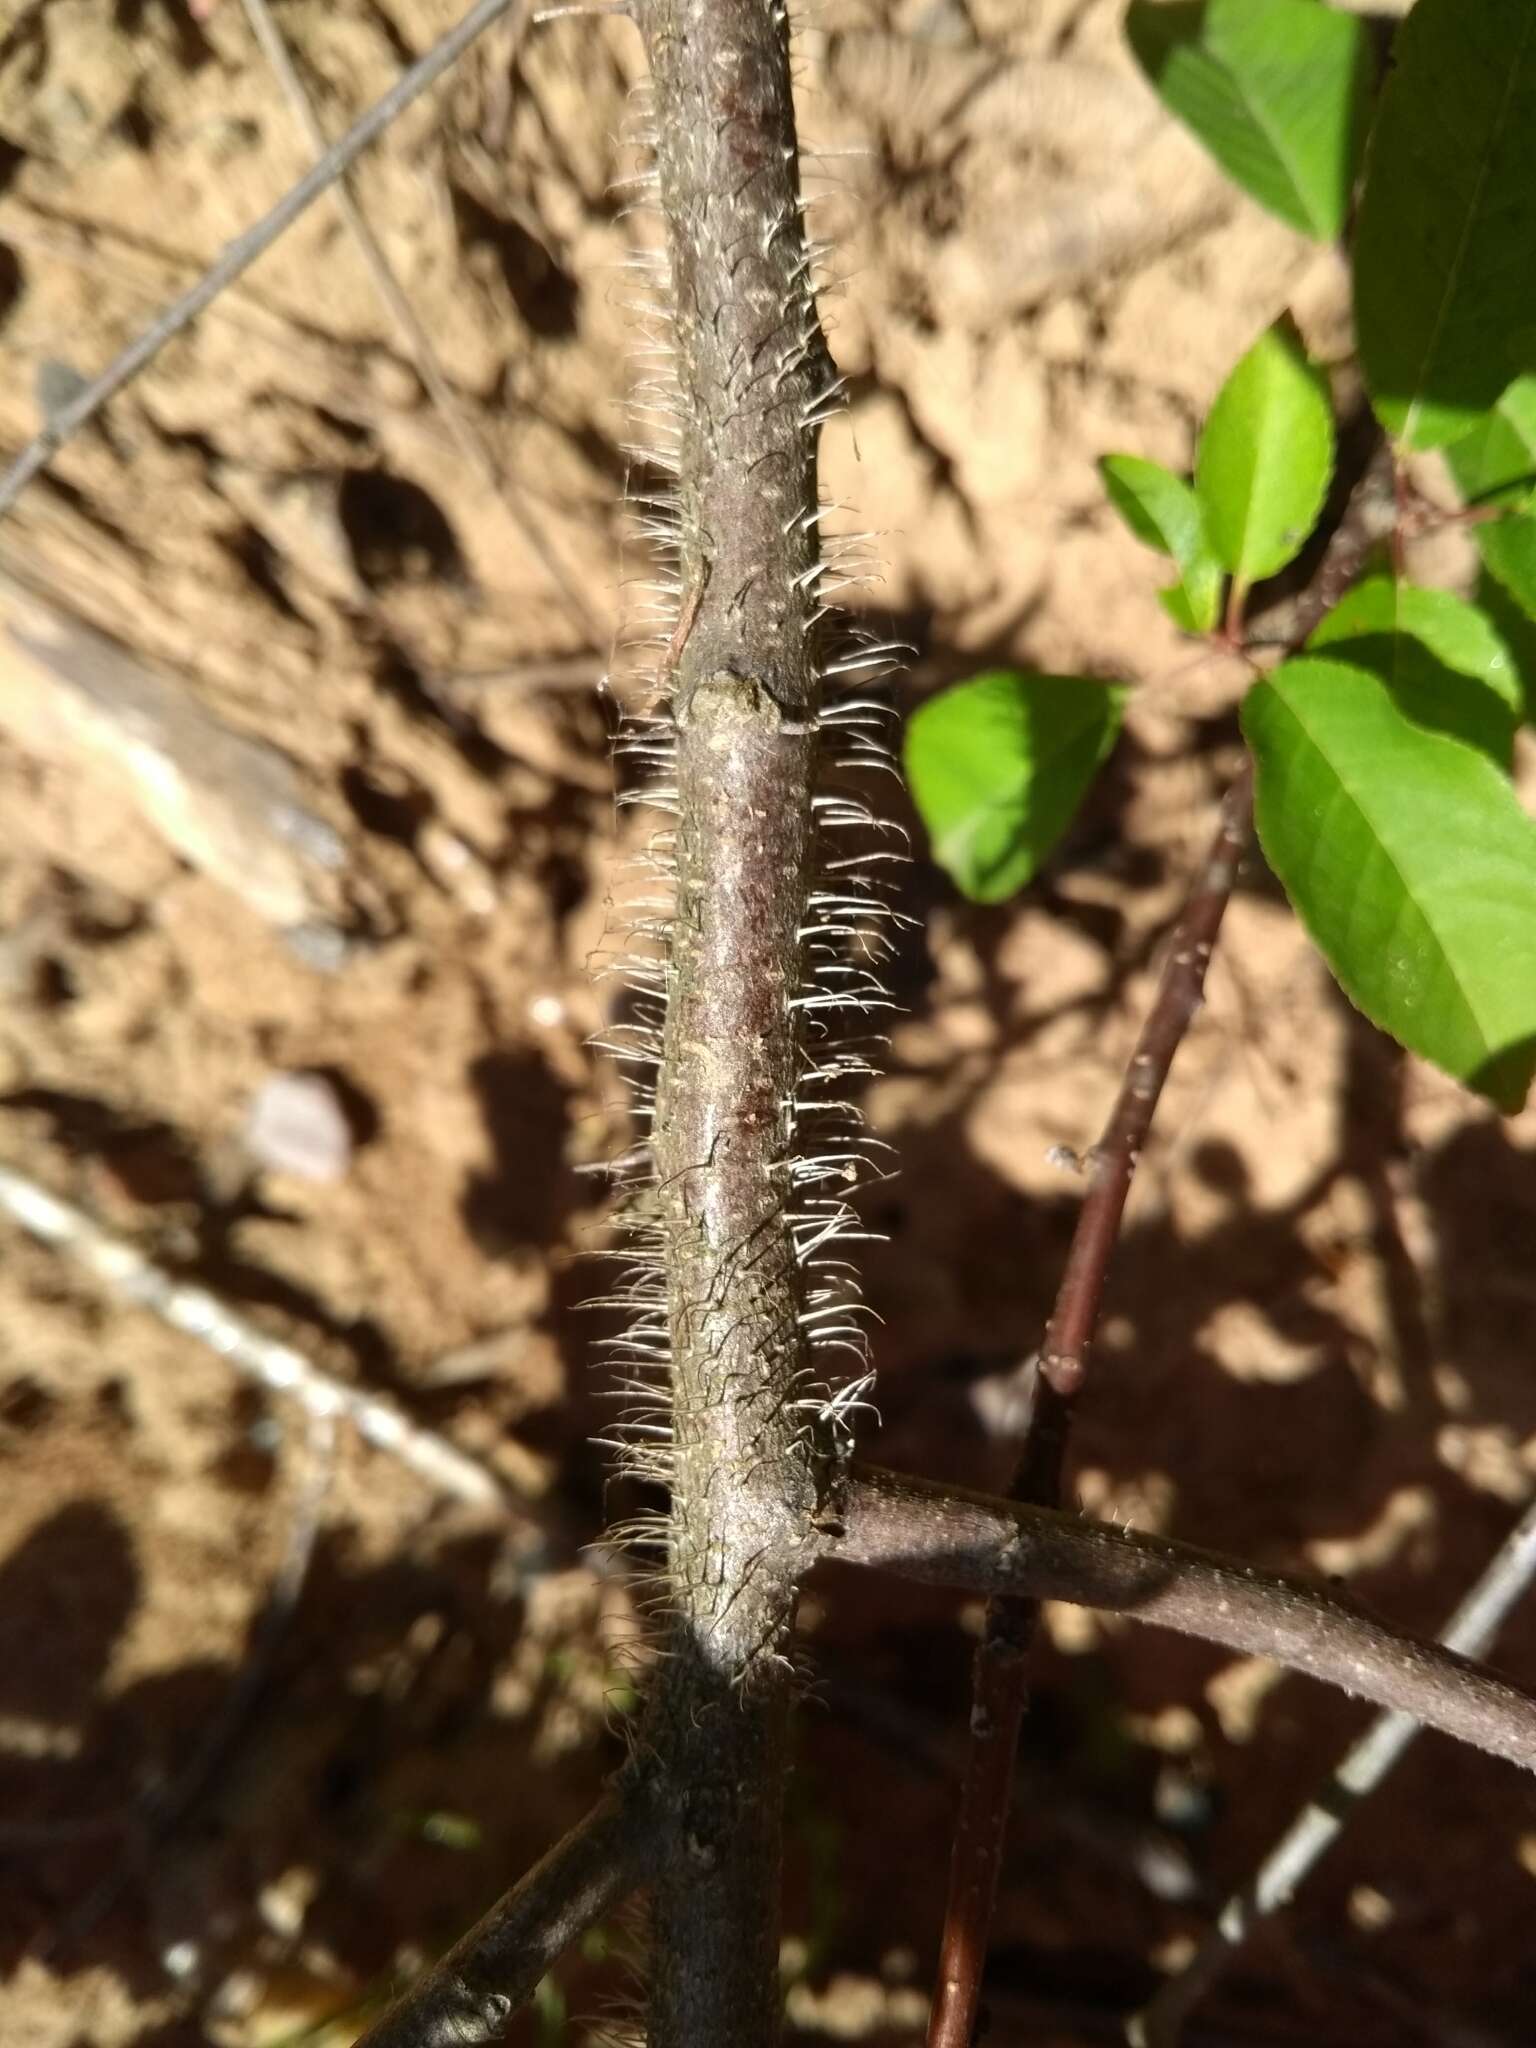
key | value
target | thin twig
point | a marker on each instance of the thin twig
(980, 1543)
(1470, 1631)
(537, 672)
(969, 1540)
(397, 303)
(127, 1273)
(123, 260)
(1000, 1678)
(244, 250)
(1000, 1674)
(471, 1995)
(1112, 1163)
(582, 7)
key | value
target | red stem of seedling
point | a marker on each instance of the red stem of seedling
(1000, 1688)
(1000, 1679)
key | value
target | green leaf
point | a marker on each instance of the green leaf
(1446, 246)
(1265, 457)
(1277, 90)
(1410, 861)
(998, 765)
(1162, 510)
(1508, 549)
(1444, 661)
(1517, 629)
(1496, 463)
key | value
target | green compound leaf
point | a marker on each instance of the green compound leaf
(1277, 90)
(1162, 510)
(1444, 661)
(998, 765)
(1446, 246)
(1265, 457)
(1496, 463)
(1409, 860)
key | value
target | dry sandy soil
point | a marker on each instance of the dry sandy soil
(351, 819)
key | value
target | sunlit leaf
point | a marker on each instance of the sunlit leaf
(1277, 90)
(1408, 858)
(1517, 629)
(1496, 463)
(1446, 247)
(1444, 661)
(998, 765)
(1265, 457)
(1508, 549)
(1162, 510)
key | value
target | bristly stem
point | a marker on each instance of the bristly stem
(751, 371)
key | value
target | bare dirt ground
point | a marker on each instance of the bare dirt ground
(235, 1799)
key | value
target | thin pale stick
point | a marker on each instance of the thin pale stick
(980, 1543)
(122, 260)
(397, 304)
(474, 1991)
(549, 672)
(244, 250)
(1470, 1631)
(127, 1273)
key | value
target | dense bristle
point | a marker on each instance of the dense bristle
(846, 928)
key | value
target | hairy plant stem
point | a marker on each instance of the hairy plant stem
(939, 1536)
(749, 363)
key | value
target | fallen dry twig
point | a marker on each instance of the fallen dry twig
(243, 251)
(418, 341)
(1470, 1631)
(126, 1272)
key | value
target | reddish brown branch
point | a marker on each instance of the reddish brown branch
(1000, 1682)
(999, 1695)
(1000, 1678)
(978, 1543)
(1180, 991)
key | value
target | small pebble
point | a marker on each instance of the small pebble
(320, 946)
(296, 1124)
